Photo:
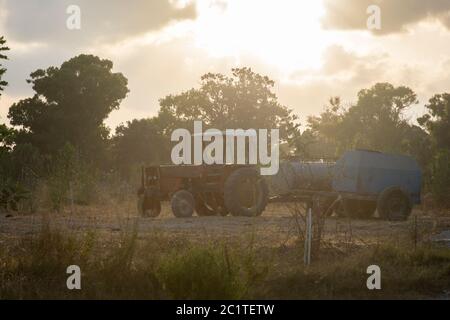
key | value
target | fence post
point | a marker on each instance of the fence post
(71, 198)
(308, 238)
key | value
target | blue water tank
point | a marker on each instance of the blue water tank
(369, 173)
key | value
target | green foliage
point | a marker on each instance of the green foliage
(2, 57)
(437, 123)
(244, 100)
(437, 120)
(162, 267)
(28, 163)
(11, 194)
(440, 177)
(62, 176)
(405, 272)
(374, 122)
(200, 273)
(37, 264)
(6, 138)
(69, 106)
(70, 179)
(140, 142)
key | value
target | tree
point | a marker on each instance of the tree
(326, 136)
(377, 118)
(2, 57)
(374, 122)
(69, 106)
(437, 120)
(245, 100)
(6, 138)
(439, 182)
(140, 142)
(437, 123)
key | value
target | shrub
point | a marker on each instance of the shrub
(440, 180)
(201, 273)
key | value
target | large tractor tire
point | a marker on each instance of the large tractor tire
(356, 209)
(394, 204)
(183, 204)
(246, 193)
(149, 204)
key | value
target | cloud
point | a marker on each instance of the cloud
(344, 73)
(397, 15)
(101, 20)
(171, 61)
(37, 35)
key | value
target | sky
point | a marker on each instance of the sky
(312, 49)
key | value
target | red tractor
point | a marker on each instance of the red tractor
(205, 189)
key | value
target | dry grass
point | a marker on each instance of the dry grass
(130, 264)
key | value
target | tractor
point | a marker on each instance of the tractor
(207, 190)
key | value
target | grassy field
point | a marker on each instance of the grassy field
(122, 256)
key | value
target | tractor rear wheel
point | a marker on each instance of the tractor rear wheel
(183, 204)
(246, 193)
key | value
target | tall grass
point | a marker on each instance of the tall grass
(405, 273)
(162, 266)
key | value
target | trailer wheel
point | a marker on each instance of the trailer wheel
(356, 209)
(366, 209)
(394, 204)
(183, 204)
(246, 193)
(149, 204)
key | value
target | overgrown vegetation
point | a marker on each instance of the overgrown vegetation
(160, 266)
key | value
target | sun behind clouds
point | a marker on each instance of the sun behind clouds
(286, 34)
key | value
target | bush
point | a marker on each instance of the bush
(71, 180)
(440, 180)
(201, 273)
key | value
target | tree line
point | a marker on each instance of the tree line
(58, 136)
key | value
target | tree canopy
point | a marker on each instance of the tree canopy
(243, 100)
(140, 142)
(376, 121)
(437, 120)
(69, 105)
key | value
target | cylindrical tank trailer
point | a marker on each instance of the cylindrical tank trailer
(365, 181)
(302, 175)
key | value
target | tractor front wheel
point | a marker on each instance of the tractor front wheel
(183, 204)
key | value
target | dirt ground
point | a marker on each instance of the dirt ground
(276, 226)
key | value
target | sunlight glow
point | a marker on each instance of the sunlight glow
(286, 35)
